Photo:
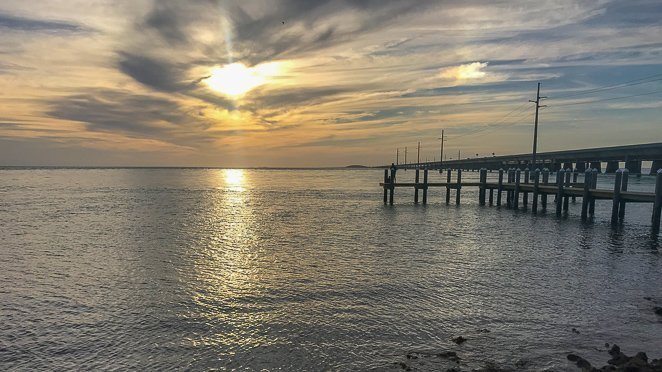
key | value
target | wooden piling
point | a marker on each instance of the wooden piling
(509, 193)
(483, 186)
(624, 187)
(588, 175)
(566, 199)
(525, 195)
(459, 186)
(616, 199)
(560, 175)
(545, 181)
(574, 180)
(416, 186)
(500, 187)
(385, 185)
(518, 174)
(536, 185)
(594, 185)
(657, 206)
(392, 186)
(425, 186)
(448, 186)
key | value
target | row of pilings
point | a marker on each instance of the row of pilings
(519, 184)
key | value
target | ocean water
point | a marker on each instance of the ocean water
(198, 269)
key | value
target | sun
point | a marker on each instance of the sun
(236, 79)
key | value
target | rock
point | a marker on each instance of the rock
(658, 310)
(579, 361)
(648, 298)
(459, 340)
(574, 330)
(484, 330)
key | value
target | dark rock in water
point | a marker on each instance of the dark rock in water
(579, 361)
(607, 345)
(658, 310)
(459, 340)
(574, 330)
(450, 355)
(648, 298)
(484, 330)
(615, 350)
(620, 362)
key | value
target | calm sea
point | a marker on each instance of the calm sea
(196, 269)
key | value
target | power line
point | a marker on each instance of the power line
(644, 80)
(607, 99)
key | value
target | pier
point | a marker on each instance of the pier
(582, 159)
(518, 185)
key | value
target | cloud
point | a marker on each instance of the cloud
(470, 71)
(134, 115)
(12, 22)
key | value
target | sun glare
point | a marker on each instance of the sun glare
(236, 79)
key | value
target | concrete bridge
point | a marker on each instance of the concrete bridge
(631, 155)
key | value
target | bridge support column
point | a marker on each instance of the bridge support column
(567, 165)
(612, 167)
(556, 167)
(634, 166)
(581, 166)
(657, 164)
(596, 165)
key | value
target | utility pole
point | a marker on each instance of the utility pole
(458, 154)
(418, 157)
(397, 156)
(405, 156)
(535, 126)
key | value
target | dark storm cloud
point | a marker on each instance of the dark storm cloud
(113, 111)
(12, 22)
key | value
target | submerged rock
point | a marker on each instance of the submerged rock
(459, 340)
(658, 310)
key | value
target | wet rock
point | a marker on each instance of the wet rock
(580, 362)
(459, 340)
(574, 330)
(620, 362)
(658, 310)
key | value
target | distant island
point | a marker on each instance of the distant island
(356, 166)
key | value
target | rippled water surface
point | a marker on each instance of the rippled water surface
(288, 269)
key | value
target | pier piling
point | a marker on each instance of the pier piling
(448, 187)
(500, 187)
(536, 185)
(417, 179)
(657, 205)
(624, 187)
(545, 181)
(458, 187)
(588, 175)
(560, 175)
(425, 186)
(518, 174)
(616, 200)
(525, 194)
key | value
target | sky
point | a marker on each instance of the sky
(303, 83)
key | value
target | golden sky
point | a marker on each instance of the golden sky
(320, 83)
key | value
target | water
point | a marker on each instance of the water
(307, 270)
